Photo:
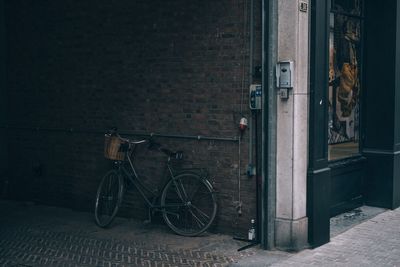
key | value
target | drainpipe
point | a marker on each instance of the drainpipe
(269, 113)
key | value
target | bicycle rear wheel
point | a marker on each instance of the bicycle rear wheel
(108, 198)
(189, 204)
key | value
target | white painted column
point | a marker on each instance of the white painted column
(292, 128)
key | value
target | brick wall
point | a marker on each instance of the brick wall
(3, 102)
(170, 67)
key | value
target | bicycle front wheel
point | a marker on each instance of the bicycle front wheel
(108, 198)
(189, 204)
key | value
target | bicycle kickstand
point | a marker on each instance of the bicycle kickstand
(148, 221)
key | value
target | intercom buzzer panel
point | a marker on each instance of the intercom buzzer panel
(284, 74)
(255, 96)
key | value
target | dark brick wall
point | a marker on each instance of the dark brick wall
(170, 67)
(3, 102)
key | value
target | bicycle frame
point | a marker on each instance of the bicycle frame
(135, 179)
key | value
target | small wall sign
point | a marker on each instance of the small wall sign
(303, 6)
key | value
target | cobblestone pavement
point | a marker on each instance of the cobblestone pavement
(375, 242)
(40, 248)
(34, 235)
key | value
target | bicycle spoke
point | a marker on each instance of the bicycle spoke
(174, 205)
(186, 218)
(198, 208)
(199, 222)
(194, 192)
(108, 198)
(203, 195)
(201, 212)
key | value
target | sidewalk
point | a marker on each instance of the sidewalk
(35, 235)
(375, 242)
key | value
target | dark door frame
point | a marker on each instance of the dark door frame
(380, 118)
(319, 173)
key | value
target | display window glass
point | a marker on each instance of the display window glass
(345, 65)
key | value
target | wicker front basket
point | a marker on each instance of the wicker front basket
(112, 143)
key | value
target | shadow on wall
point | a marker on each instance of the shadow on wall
(172, 67)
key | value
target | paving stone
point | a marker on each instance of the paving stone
(25, 242)
(375, 242)
(34, 237)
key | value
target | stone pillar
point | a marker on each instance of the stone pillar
(292, 128)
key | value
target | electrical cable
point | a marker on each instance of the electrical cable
(245, 11)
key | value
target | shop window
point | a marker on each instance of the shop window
(345, 64)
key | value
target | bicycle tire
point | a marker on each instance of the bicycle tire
(108, 198)
(189, 204)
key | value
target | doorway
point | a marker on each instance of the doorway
(363, 164)
(346, 19)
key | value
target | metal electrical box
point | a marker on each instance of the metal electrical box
(284, 74)
(255, 95)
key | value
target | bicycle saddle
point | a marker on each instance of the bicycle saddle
(178, 155)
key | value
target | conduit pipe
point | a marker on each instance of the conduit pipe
(122, 132)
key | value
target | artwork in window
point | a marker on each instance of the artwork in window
(344, 73)
(350, 7)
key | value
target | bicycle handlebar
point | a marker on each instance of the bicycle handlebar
(138, 142)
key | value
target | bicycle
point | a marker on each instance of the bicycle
(187, 201)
